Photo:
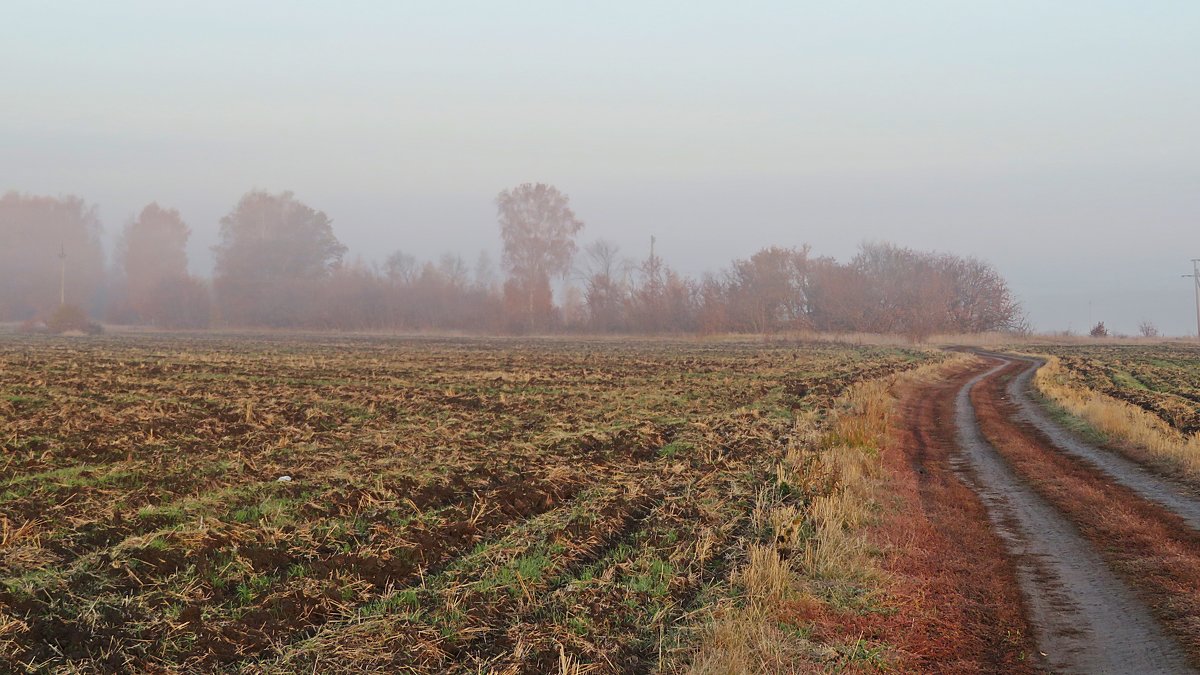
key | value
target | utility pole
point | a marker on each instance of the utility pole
(1195, 276)
(652, 268)
(62, 276)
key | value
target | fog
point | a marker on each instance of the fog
(1057, 142)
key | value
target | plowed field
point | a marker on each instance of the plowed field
(1162, 379)
(270, 503)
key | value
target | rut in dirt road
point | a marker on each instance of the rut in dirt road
(1086, 618)
(1178, 499)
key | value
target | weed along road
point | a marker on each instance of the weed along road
(1106, 553)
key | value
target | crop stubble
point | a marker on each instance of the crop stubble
(453, 503)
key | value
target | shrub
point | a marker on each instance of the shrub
(1099, 330)
(69, 318)
(33, 327)
(181, 302)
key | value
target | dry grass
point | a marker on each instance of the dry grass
(990, 340)
(819, 545)
(1119, 420)
(766, 578)
(751, 644)
(951, 603)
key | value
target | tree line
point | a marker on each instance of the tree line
(279, 264)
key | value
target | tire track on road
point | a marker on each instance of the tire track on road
(1086, 618)
(1178, 499)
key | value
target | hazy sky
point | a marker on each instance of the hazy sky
(1059, 140)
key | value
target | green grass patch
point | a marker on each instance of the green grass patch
(1076, 425)
(861, 654)
(171, 514)
(655, 579)
(1126, 380)
(511, 578)
(274, 510)
(250, 589)
(674, 448)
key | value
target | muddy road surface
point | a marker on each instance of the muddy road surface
(1180, 499)
(1105, 552)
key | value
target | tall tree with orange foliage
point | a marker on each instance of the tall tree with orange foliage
(152, 254)
(538, 229)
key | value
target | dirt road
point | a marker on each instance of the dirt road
(1107, 554)
(1027, 549)
(1084, 617)
(1179, 499)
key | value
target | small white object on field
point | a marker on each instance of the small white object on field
(283, 479)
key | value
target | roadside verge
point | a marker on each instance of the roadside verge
(881, 556)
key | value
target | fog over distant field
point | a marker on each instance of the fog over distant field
(1056, 140)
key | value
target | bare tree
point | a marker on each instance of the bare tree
(1148, 329)
(839, 297)
(400, 268)
(454, 270)
(647, 297)
(770, 291)
(603, 286)
(904, 292)
(278, 263)
(712, 305)
(981, 298)
(890, 289)
(485, 272)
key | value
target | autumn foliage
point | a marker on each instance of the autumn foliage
(153, 285)
(279, 264)
(34, 232)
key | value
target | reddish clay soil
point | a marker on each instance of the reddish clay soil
(959, 604)
(1009, 554)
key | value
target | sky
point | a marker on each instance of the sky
(1057, 140)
